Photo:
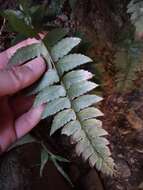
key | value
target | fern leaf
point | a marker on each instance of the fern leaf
(71, 61)
(56, 106)
(61, 119)
(81, 146)
(54, 36)
(26, 53)
(85, 101)
(49, 93)
(81, 88)
(49, 78)
(74, 77)
(18, 23)
(63, 47)
(89, 113)
(71, 128)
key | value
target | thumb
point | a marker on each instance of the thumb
(16, 78)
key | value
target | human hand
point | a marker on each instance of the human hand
(16, 115)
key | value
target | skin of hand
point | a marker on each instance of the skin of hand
(17, 116)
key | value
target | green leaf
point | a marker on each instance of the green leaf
(54, 36)
(44, 160)
(81, 88)
(71, 61)
(66, 45)
(61, 119)
(59, 168)
(93, 127)
(85, 101)
(18, 24)
(22, 141)
(71, 127)
(90, 123)
(49, 93)
(25, 53)
(89, 113)
(56, 106)
(49, 78)
(60, 158)
(74, 77)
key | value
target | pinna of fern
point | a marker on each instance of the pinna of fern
(66, 94)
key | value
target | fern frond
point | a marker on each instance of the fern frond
(69, 102)
(135, 9)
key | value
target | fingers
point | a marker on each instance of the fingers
(28, 120)
(19, 77)
(20, 104)
(6, 55)
(7, 131)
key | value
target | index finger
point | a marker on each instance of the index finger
(6, 55)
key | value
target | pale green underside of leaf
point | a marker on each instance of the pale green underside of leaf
(63, 47)
(74, 77)
(49, 93)
(71, 61)
(71, 128)
(89, 113)
(56, 106)
(26, 53)
(61, 119)
(85, 101)
(81, 88)
(49, 78)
